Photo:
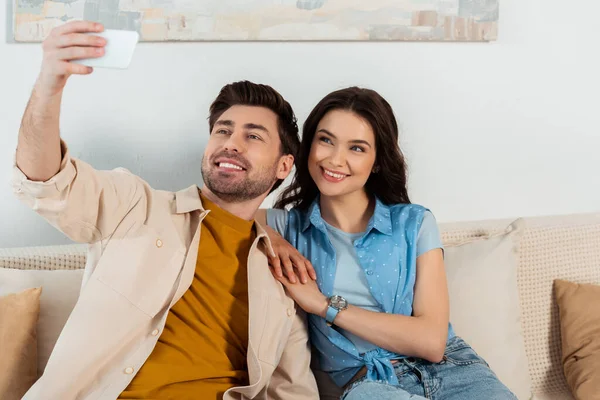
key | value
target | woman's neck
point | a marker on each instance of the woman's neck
(350, 213)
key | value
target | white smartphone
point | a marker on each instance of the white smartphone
(118, 51)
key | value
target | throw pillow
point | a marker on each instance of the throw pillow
(578, 307)
(484, 303)
(18, 345)
(60, 293)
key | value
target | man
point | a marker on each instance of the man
(178, 300)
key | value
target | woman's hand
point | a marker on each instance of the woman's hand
(287, 259)
(307, 296)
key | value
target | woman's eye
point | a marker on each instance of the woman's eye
(357, 148)
(325, 139)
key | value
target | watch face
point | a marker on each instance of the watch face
(339, 302)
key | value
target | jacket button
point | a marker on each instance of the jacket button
(289, 312)
(159, 243)
(155, 332)
(129, 370)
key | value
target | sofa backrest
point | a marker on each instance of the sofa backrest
(557, 247)
(44, 257)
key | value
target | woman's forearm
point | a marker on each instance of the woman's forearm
(411, 336)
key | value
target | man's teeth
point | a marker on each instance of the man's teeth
(228, 165)
(336, 176)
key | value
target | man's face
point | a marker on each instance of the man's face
(243, 157)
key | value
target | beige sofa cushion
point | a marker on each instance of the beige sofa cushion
(484, 303)
(18, 345)
(60, 290)
(553, 247)
(579, 310)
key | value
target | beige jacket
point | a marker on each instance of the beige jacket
(141, 260)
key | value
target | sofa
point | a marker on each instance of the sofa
(500, 278)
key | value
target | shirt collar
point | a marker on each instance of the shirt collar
(381, 219)
(262, 235)
(313, 216)
(188, 200)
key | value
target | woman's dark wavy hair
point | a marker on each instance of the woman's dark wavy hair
(389, 181)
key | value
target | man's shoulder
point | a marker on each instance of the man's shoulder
(160, 218)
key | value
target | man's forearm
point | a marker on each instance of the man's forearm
(38, 150)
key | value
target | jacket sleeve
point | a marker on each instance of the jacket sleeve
(85, 204)
(293, 378)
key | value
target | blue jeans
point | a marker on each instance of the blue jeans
(461, 375)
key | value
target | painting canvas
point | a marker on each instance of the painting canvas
(257, 20)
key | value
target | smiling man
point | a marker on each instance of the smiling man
(177, 300)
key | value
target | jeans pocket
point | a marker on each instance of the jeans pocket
(463, 355)
(408, 377)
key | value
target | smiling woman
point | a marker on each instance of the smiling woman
(342, 153)
(352, 124)
(379, 308)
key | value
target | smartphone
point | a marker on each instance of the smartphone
(118, 51)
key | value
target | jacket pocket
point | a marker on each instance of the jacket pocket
(143, 267)
(276, 327)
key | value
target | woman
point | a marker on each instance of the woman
(378, 311)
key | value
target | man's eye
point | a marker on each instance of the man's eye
(253, 137)
(222, 132)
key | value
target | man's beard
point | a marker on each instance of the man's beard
(256, 184)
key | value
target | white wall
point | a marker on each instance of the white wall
(495, 130)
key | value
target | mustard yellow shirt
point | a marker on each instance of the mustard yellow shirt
(202, 351)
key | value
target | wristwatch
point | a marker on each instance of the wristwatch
(336, 304)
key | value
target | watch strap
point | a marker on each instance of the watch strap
(332, 312)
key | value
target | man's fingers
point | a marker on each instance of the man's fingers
(79, 39)
(76, 69)
(77, 53)
(77, 26)
(67, 68)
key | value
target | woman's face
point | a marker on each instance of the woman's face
(342, 154)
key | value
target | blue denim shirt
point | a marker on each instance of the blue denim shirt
(387, 252)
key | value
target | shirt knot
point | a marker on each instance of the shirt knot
(379, 366)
